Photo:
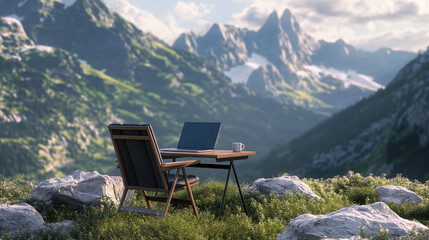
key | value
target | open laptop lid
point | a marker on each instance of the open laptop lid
(199, 135)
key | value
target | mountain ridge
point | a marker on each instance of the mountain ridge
(282, 42)
(63, 117)
(385, 133)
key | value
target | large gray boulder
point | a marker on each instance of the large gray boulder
(397, 194)
(78, 189)
(282, 185)
(20, 218)
(348, 222)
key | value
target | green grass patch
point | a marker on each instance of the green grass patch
(164, 48)
(107, 79)
(268, 215)
(128, 114)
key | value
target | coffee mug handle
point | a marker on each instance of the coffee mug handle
(242, 146)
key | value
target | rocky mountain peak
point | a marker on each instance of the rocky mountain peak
(11, 25)
(187, 42)
(339, 48)
(271, 25)
(216, 33)
(223, 44)
(289, 23)
(418, 65)
(340, 42)
(98, 11)
(13, 38)
(23, 8)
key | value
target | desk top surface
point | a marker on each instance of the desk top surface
(218, 154)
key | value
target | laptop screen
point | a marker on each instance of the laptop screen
(199, 135)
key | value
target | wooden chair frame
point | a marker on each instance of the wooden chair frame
(162, 169)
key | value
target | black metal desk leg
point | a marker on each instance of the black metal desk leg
(224, 191)
(239, 189)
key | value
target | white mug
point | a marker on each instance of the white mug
(238, 146)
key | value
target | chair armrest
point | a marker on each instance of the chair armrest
(174, 165)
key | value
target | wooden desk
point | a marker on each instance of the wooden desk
(220, 156)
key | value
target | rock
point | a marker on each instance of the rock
(348, 222)
(21, 218)
(65, 227)
(280, 185)
(18, 218)
(78, 189)
(397, 194)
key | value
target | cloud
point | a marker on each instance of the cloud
(399, 12)
(413, 40)
(256, 14)
(202, 26)
(189, 11)
(146, 21)
(252, 17)
(322, 7)
(352, 20)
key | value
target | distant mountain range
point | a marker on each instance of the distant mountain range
(282, 62)
(385, 133)
(70, 68)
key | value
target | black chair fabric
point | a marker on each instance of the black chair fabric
(181, 181)
(138, 159)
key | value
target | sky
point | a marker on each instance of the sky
(366, 24)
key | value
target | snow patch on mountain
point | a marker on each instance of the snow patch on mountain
(44, 48)
(22, 3)
(349, 77)
(40, 48)
(14, 19)
(67, 3)
(240, 73)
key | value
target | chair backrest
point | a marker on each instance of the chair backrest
(138, 156)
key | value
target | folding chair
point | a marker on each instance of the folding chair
(142, 168)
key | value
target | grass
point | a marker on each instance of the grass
(267, 217)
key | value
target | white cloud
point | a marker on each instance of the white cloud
(410, 40)
(190, 10)
(254, 16)
(352, 20)
(146, 21)
(202, 26)
(371, 26)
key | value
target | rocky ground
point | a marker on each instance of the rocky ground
(316, 212)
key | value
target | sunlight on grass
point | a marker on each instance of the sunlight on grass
(268, 215)
(106, 78)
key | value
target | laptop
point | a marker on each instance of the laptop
(197, 137)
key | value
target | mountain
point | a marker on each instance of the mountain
(385, 133)
(317, 75)
(223, 45)
(69, 69)
(382, 64)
